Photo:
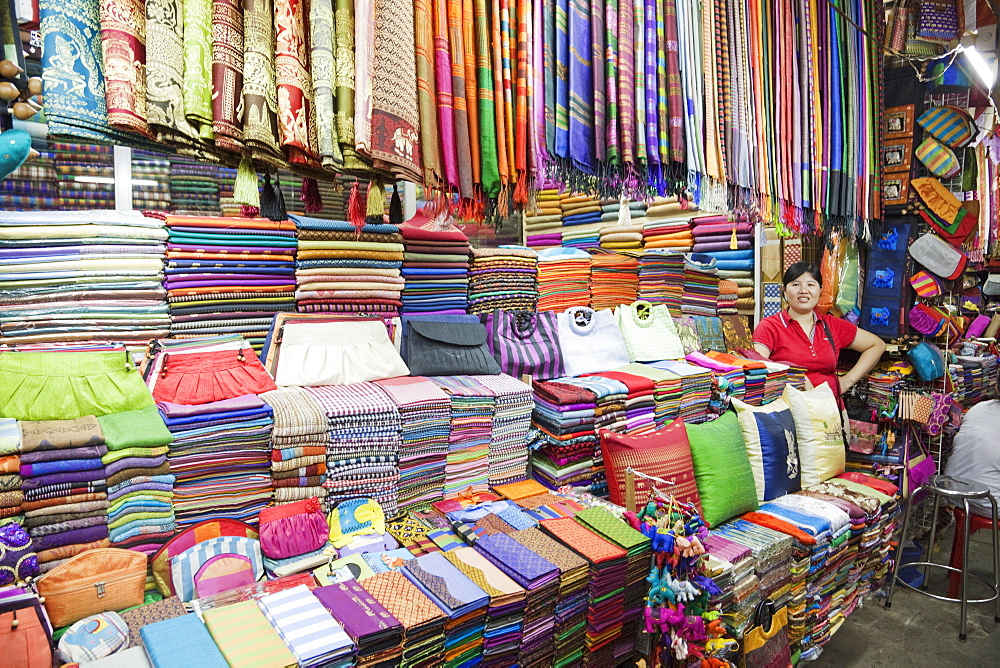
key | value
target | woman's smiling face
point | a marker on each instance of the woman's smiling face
(802, 294)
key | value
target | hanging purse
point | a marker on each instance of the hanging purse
(920, 466)
(927, 361)
(765, 642)
(863, 437)
(525, 343)
(938, 256)
(927, 320)
(449, 349)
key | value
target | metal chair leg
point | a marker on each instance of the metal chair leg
(965, 571)
(899, 551)
(996, 562)
(930, 545)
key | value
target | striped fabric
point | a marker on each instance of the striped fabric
(925, 285)
(246, 638)
(185, 565)
(305, 625)
(526, 343)
(951, 126)
(939, 159)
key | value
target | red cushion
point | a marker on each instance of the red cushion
(664, 453)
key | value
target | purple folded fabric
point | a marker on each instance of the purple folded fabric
(720, 246)
(250, 250)
(134, 463)
(141, 487)
(62, 526)
(86, 452)
(183, 285)
(720, 228)
(72, 537)
(64, 477)
(716, 238)
(63, 466)
(245, 402)
(357, 610)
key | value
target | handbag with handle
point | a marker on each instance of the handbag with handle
(101, 580)
(765, 643)
(449, 349)
(920, 465)
(337, 353)
(526, 343)
(863, 437)
(649, 332)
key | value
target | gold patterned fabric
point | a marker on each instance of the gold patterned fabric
(227, 75)
(260, 91)
(123, 38)
(165, 72)
(295, 89)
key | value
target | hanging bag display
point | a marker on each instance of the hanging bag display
(944, 212)
(927, 320)
(863, 437)
(938, 256)
(920, 464)
(449, 349)
(590, 341)
(525, 343)
(649, 332)
(95, 581)
(765, 642)
(337, 353)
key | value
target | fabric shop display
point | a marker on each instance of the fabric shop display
(563, 278)
(503, 278)
(473, 407)
(435, 269)
(512, 408)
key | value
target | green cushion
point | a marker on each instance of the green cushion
(722, 469)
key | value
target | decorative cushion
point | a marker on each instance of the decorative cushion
(952, 126)
(938, 158)
(664, 453)
(769, 436)
(721, 469)
(817, 428)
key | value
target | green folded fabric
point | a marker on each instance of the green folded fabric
(133, 452)
(143, 428)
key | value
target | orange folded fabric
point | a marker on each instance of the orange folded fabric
(10, 464)
(232, 223)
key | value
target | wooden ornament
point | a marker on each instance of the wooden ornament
(9, 69)
(35, 85)
(8, 91)
(25, 110)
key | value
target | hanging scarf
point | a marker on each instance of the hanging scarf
(395, 144)
(487, 103)
(471, 93)
(626, 80)
(198, 65)
(165, 72)
(459, 101)
(227, 75)
(430, 152)
(581, 84)
(652, 94)
(541, 159)
(549, 65)
(123, 36)
(501, 85)
(562, 79)
(521, 102)
(639, 80)
(613, 155)
(364, 50)
(345, 82)
(260, 96)
(72, 69)
(445, 98)
(508, 40)
(724, 83)
(662, 114)
(323, 71)
(675, 95)
(597, 33)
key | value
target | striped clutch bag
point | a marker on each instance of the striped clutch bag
(952, 126)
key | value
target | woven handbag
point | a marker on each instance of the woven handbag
(95, 581)
(525, 343)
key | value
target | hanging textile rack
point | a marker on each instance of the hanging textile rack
(630, 476)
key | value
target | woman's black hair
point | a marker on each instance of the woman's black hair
(799, 268)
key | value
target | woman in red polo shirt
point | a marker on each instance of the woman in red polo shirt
(802, 337)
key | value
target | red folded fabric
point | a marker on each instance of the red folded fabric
(772, 522)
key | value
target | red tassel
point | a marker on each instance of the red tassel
(309, 194)
(247, 211)
(355, 209)
(521, 191)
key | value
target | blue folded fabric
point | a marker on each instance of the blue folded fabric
(731, 254)
(734, 265)
(249, 413)
(581, 219)
(181, 642)
(64, 466)
(308, 223)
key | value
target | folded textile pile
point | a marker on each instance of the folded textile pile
(729, 376)
(305, 623)
(503, 278)
(614, 280)
(755, 376)
(85, 161)
(701, 285)
(543, 225)
(32, 186)
(571, 603)
(85, 275)
(622, 237)
(435, 268)
(696, 389)
(611, 211)
(473, 406)
(606, 600)
(716, 233)
(140, 484)
(425, 423)
(228, 275)
(298, 440)
(668, 390)
(640, 402)
(244, 635)
(376, 633)
(638, 549)
(565, 435)
(730, 243)
(363, 447)
(975, 378)
(539, 577)
(728, 294)
(11, 496)
(733, 569)
(194, 187)
(511, 422)
(581, 221)
(339, 269)
(459, 598)
(63, 487)
(563, 279)
(151, 181)
(661, 278)
(423, 621)
(667, 225)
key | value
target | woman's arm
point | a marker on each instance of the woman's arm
(762, 350)
(871, 348)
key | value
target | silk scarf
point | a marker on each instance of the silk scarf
(500, 104)
(626, 80)
(445, 98)
(581, 87)
(521, 104)
(296, 126)
(123, 36)
(364, 51)
(562, 102)
(323, 72)
(198, 65)
(430, 151)
(613, 155)
(597, 35)
(456, 45)
(260, 92)
(487, 101)
(471, 90)
(227, 75)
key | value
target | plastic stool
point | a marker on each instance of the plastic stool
(958, 543)
(959, 492)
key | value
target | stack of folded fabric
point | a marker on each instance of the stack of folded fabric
(422, 620)
(638, 549)
(581, 221)
(610, 413)
(755, 374)
(140, 484)
(667, 225)
(436, 269)
(583, 237)
(363, 447)
(425, 419)
(299, 440)
(729, 376)
(614, 280)
(308, 628)
(229, 275)
(464, 603)
(563, 279)
(11, 496)
(701, 285)
(565, 435)
(245, 637)
(667, 390)
(473, 406)
(640, 404)
(543, 225)
(228, 205)
(696, 389)
(87, 162)
(728, 294)
(194, 187)
(511, 423)
(606, 594)
(611, 211)
(64, 487)
(622, 237)
(84, 275)
(376, 633)
(503, 278)
(539, 577)
(150, 181)
(339, 270)
(32, 186)
(661, 278)
(571, 604)
(715, 233)
(505, 614)
(733, 569)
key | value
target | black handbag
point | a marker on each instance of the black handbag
(449, 349)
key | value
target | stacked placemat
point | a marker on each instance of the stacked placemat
(299, 445)
(472, 412)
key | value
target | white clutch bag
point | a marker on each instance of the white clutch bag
(337, 353)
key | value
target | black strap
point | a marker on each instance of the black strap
(829, 337)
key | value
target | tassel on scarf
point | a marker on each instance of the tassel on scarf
(310, 197)
(375, 212)
(355, 210)
(268, 200)
(281, 211)
(245, 187)
(395, 207)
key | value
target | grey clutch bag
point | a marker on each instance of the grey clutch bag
(449, 349)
